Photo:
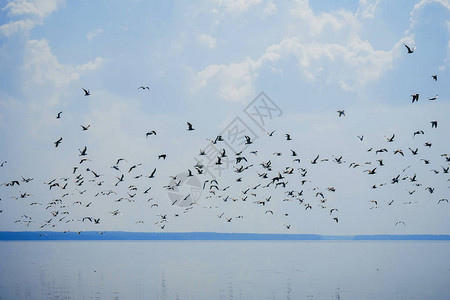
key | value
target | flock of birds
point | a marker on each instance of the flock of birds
(256, 179)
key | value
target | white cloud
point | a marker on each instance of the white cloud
(237, 6)
(41, 66)
(39, 8)
(208, 40)
(352, 66)
(93, 34)
(12, 28)
(235, 80)
(35, 10)
(367, 8)
(421, 5)
(270, 9)
(315, 25)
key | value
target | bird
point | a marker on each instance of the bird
(415, 98)
(190, 128)
(248, 140)
(58, 116)
(288, 137)
(84, 128)
(361, 138)
(371, 171)
(163, 156)
(434, 77)
(144, 87)
(410, 50)
(414, 152)
(341, 113)
(86, 92)
(433, 98)
(150, 133)
(315, 160)
(152, 175)
(58, 142)
(418, 132)
(433, 124)
(391, 139)
(83, 152)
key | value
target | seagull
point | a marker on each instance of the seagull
(341, 113)
(410, 50)
(84, 128)
(418, 132)
(58, 116)
(83, 152)
(361, 138)
(433, 98)
(391, 139)
(144, 87)
(58, 142)
(86, 92)
(150, 133)
(190, 128)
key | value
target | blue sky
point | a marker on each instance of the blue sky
(205, 64)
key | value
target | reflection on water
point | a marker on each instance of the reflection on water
(224, 270)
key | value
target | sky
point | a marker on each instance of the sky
(231, 68)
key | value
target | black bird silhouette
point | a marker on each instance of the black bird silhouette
(410, 50)
(433, 124)
(341, 113)
(190, 128)
(153, 174)
(434, 77)
(58, 142)
(150, 133)
(415, 98)
(83, 152)
(288, 137)
(433, 98)
(391, 139)
(361, 138)
(84, 128)
(86, 92)
(58, 116)
(418, 132)
(144, 87)
(163, 156)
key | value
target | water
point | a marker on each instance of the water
(224, 270)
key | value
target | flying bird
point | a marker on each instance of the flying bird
(58, 116)
(144, 87)
(86, 92)
(190, 128)
(434, 77)
(341, 113)
(150, 133)
(433, 98)
(410, 50)
(58, 142)
(84, 128)
(415, 98)
(433, 124)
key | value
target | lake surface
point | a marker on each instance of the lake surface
(224, 270)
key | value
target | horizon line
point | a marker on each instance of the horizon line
(209, 236)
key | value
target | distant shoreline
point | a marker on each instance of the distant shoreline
(204, 236)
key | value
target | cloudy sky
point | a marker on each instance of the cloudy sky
(231, 68)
